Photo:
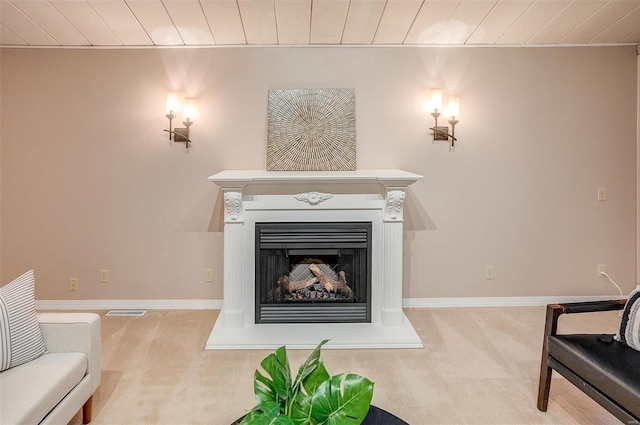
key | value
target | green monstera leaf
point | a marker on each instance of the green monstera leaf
(342, 400)
(302, 406)
(310, 364)
(276, 385)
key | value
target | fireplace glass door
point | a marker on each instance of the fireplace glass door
(313, 272)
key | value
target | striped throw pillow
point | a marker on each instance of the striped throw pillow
(629, 333)
(20, 335)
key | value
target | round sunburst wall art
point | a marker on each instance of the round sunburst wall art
(311, 130)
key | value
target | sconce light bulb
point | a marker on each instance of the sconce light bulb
(189, 109)
(436, 98)
(172, 102)
(454, 106)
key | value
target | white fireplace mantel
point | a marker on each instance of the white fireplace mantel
(387, 177)
(251, 196)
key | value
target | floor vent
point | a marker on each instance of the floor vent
(126, 313)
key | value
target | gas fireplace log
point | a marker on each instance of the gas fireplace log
(287, 285)
(331, 284)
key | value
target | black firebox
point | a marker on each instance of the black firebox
(313, 272)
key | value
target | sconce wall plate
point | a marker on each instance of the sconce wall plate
(439, 133)
(181, 135)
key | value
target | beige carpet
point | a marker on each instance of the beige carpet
(478, 366)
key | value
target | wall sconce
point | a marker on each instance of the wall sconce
(441, 133)
(180, 134)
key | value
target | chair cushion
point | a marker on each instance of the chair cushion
(612, 368)
(20, 335)
(30, 391)
(629, 333)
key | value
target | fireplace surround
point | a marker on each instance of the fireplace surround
(258, 199)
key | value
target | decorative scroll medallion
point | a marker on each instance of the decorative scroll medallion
(313, 198)
(311, 130)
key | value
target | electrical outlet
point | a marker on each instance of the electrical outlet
(73, 283)
(489, 272)
(602, 194)
(208, 275)
(104, 276)
(602, 268)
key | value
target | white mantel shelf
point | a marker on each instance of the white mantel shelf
(252, 196)
(387, 177)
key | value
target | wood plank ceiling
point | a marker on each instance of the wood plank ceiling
(317, 22)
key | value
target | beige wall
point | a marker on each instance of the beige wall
(89, 181)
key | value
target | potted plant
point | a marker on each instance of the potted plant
(312, 398)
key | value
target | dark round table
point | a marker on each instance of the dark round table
(376, 416)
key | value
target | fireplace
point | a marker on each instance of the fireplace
(313, 272)
(332, 222)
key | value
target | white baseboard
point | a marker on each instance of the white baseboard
(406, 303)
(500, 301)
(128, 304)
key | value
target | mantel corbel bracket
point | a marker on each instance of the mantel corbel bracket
(233, 211)
(394, 204)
